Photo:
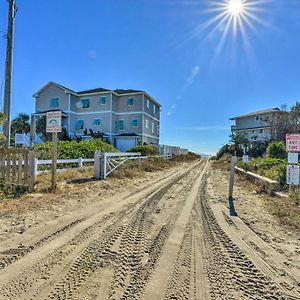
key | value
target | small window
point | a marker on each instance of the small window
(102, 100)
(153, 127)
(135, 123)
(261, 131)
(97, 122)
(154, 109)
(130, 101)
(121, 124)
(257, 118)
(253, 131)
(147, 123)
(85, 103)
(79, 124)
(157, 128)
(148, 103)
(54, 102)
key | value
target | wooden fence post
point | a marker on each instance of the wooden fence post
(97, 164)
(31, 171)
(80, 162)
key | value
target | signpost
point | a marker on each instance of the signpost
(245, 159)
(292, 170)
(53, 125)
(232, 211)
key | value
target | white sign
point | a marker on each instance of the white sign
(53, 121)
(293, 142)
(292, 175)
(245, 159)
(293, 158)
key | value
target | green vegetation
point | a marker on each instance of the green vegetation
(73, 149)
(145, 150)
(273, 168)
(277, 150)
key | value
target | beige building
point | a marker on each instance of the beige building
(126, 117)
(260, 126)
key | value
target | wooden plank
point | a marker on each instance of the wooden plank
(8, 167)
(31, 175)
(54, 160)
(13, 167)
(26, 158)
(20, 168)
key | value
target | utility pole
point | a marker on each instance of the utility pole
(8, 70)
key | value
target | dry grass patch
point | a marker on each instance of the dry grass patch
(286, 210)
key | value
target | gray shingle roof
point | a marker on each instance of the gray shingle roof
(259, 112)
(97, 90)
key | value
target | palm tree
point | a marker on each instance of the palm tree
(21, 124)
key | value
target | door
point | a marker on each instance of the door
(122, 144)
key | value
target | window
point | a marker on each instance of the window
(97, 122)
(154, 108)
(85, 103)
(79, 124)
(147, 123)
(261, 131)
(54, 102)
(135, 123)
(102, 100)
(121, 124)
(157, 128)
(148, 103)
(257, 118)
(152, 127)
(130, 101)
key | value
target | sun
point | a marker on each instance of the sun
(235, 7)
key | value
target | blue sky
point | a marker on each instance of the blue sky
(164, 48)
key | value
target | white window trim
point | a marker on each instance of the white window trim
(123, 125)
(135, 126)
(100, 100)
(58, 102)
(146, 123)
(95, 120)
(89, 103)
(129, 99)
(82, 124)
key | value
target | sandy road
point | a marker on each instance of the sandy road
(162, 242)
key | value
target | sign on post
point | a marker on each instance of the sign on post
(53, 123)
(293, 142)
(293, 158)
(292, 175)
(245, 159)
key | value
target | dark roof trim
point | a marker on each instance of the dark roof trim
(44, 113)
(118, 92)
(128, 135)
(260, 112)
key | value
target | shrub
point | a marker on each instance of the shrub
(257, 150)
(73, 149)
(277, 150)
(145, 150)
